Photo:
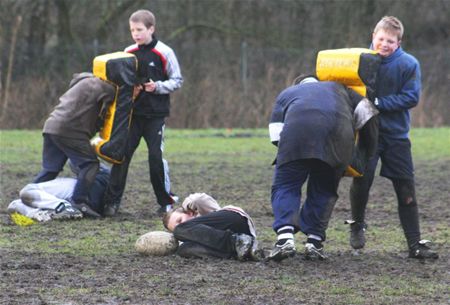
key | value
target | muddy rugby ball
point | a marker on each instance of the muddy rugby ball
(158, 243)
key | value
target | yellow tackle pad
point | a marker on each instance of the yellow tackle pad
(356, 68)
(119, 69)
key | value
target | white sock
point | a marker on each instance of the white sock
(286, 232)
(312, 236)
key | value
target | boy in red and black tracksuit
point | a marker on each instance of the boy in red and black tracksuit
(160, 75)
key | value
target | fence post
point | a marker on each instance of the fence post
(244, 65)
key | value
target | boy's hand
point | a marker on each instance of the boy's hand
(190, 211)
(136, 90)
(150, 86)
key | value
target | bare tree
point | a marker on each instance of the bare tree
(235, 55)
(12, 51)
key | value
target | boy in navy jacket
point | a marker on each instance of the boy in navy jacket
(398, 90)
(313, 125)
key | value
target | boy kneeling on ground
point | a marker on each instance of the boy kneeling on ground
(207, 230)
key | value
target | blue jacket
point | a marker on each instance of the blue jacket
(398, 90)
(315, 121)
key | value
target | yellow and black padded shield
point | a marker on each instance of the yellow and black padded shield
(119, 69)
(356, 68)
(355, 169)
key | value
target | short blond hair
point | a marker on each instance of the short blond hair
(144, 16)
(166, 217)
(391, 25)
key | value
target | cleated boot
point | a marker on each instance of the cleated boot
(420, 250)
(243, 246)
(357, 234)
(110, 210)
(42, 215)
(86, 210)
(312, 252)
(282, 249)
(65, 211)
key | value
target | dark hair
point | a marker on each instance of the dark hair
(301, 77)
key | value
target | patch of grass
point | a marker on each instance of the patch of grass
(287, 280)
(119, 292)
(266, 235)
(204, 145)
(398, 287)
(430, 143)
(384, 237)
(66, 238)
(165, 291)
(69, 292)
(351, 298)
(20, 145)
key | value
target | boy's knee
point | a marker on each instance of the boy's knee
(90, 166)
(155, 157)
(405, 191)
(360, 185)
(46, 175)
(155, 153)
(26, 194)
(407, 201)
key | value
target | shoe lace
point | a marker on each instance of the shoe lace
(284, 244)
(311, 247)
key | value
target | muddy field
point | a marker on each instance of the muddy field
(94, 262)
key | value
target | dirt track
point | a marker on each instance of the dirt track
(381, 275)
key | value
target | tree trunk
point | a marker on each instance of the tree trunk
(12, 50)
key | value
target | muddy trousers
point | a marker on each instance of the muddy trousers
(211, 234)
(57, 150)
(321, 196)
(152, 130)
(407, 205)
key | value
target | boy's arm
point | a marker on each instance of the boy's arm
(200, 203)
(105, 99)
(364, 111)
(368, 137)
(407, 97)
(366, 146)
(276, 121)
(175, 79)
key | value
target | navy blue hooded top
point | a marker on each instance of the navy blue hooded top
(398, 90)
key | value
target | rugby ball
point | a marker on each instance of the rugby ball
(157, 243)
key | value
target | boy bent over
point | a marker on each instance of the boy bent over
(67, 134)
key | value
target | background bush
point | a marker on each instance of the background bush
(236, 55)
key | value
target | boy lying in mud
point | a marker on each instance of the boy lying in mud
(49, 200)
(207, 230)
